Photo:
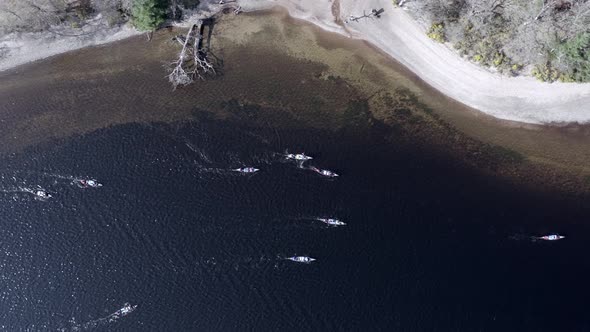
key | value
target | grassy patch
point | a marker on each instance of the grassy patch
(487, 50)
(437, 32)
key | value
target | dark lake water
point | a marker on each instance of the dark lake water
(188, 245)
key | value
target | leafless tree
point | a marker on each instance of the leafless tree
(571, 18)
(192, 60)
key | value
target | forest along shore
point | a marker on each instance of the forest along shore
(521, 99)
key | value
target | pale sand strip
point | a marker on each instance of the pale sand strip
(26, 47)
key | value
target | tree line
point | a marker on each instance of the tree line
(549, 39)
(40, 15)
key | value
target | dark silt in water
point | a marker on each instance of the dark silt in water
(176, 241)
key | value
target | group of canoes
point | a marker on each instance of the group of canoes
(327, 221)
(336, 222)
(300, 157)
(81, 183)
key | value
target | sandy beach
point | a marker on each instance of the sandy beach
(521, 99)
(22, 48)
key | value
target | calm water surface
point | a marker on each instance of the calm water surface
(428, 247)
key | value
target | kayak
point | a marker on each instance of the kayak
(42, 194)
(332, 221)
(301, 259)
(246, 170)
(324, 172)
(88, 183)
(551, 237)
(298, 156)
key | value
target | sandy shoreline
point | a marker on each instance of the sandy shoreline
(27, 47)
(521, 99)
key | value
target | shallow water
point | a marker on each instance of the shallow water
(432, 242)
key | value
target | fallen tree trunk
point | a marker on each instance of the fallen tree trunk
(192, 61)
(178, 75)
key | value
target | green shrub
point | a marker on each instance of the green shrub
(566, 78)
(437, 32)
(545, 73)
(515, 69)
(478, 58)
(147, 14)
(577, 56)
(499, 59)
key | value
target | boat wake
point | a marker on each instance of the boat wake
(239, 263)
(249, 263)
(202, 155)
(218, 170)
(59, 176)
(536, 238)
(318, 222)
(213, 170)
(182, 140)
(301, 158)
(80, 181)
(124, 311)
(323, 172)
(39, 193)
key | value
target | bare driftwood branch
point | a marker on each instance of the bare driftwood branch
(178, 75)
(192, 61)
(374, 13)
